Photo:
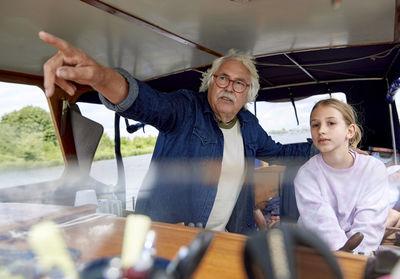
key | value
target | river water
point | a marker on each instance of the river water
(106, 170)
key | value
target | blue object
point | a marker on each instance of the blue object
(273, 206)
(23, 263)
(393, 88)
(96, 269)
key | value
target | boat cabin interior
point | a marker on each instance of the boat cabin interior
(301, 48)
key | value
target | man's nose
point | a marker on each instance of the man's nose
(229, 87)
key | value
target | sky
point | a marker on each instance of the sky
(16, 96)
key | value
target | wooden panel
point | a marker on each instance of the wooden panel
(98, 236)
(396, 34)
(267, 183)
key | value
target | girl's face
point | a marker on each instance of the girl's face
(329, 131)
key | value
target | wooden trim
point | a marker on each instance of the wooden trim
(381, 149)
(65, 139)
(15, 77)
(153, 27)
(396, 35)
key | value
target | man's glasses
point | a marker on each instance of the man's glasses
(223, 81)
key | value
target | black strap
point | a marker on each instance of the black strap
(294, 105)
(131, 128)
(120, 187)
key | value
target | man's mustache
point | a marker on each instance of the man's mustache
(226, 94)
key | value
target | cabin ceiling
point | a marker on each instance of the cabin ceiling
(152, 38)
(265, 26)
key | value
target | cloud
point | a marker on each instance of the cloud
(279, 115)
(16, 96)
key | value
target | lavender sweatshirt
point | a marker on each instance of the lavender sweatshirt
(337, 203)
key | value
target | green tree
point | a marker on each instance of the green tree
(105, 149)
(31, 119)
(28, 139)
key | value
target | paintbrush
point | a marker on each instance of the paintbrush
(136, 229)
(49, 247)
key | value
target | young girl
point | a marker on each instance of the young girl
(340, 192)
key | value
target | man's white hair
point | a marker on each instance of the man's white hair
(248, 62)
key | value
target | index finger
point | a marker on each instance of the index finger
(58, 43)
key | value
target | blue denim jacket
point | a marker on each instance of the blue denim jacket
(184, 172)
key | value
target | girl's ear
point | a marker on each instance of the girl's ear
(351, 131)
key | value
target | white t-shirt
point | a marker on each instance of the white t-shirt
(231, 178)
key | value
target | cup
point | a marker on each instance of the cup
(84, 197)
(104, 206)
(116, 207)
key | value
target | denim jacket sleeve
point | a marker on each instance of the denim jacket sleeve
(261, 145)
(147, 105)
(271, 148)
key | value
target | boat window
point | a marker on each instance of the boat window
(279, 118)
(29, 150)
(136, 150)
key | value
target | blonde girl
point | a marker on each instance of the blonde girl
(340, 192)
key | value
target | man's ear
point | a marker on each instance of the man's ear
(351, 131)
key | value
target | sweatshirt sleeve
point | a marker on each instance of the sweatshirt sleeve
(372, 210)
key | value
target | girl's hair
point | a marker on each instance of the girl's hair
(349, 115)
(247, 61)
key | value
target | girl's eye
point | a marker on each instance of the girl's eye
(314, 125)
(331, 123)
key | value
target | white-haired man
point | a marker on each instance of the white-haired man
(209, 131)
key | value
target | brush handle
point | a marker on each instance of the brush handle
(136, 229)
(353, 242)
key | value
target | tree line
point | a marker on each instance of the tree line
(28, 140)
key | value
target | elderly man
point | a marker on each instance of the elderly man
(210, 138)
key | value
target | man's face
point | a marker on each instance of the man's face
(225, 102)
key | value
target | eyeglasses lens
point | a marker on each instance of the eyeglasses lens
(238, 86)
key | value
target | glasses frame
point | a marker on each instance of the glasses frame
(229, 82)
